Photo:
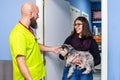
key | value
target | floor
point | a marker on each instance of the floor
(6, 70)
(97, 74)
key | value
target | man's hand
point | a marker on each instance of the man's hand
(56, 49)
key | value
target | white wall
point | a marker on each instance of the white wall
(57, 17)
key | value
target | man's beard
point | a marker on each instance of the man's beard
(33, 23)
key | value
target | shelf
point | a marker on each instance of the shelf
(96, 21)
(97, 38)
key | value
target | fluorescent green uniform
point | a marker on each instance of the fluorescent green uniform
(22, 42)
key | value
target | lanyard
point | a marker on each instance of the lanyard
(27, 28)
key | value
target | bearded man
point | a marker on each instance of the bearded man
(25, 50)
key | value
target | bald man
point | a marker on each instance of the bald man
(25, 50)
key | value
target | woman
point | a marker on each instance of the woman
(82, 40)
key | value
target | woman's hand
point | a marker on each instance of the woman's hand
(76, 61)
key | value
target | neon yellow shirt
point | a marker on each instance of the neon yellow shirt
(22, 42)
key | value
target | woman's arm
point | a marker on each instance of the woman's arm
(94, 50)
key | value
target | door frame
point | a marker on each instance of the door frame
(104, 54)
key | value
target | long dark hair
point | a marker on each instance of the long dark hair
(86, 32)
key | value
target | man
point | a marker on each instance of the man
(25, 50)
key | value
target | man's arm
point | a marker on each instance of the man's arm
(23, 67)
(49, 49)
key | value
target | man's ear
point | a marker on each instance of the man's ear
(31, 14)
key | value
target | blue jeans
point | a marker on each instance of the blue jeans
(77, 74)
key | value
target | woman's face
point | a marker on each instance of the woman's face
(78, 26)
